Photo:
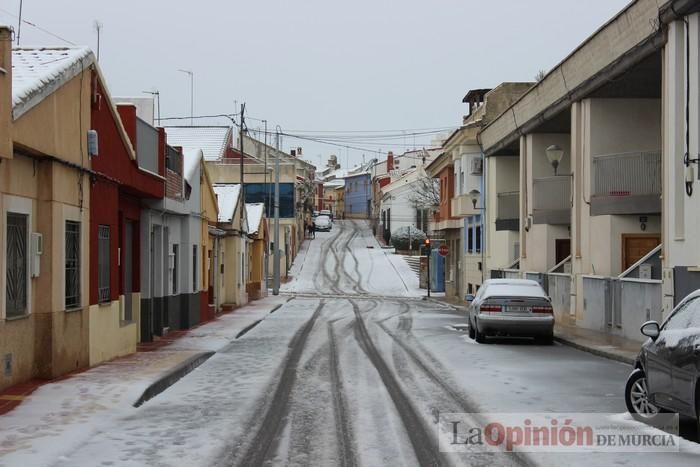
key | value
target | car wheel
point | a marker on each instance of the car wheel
(480, 337)
(472, 334)
(637, 397)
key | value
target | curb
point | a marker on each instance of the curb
(596, 352)
(171, 376)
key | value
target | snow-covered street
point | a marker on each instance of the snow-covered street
(353, 370)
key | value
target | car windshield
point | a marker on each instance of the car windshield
(514, 290)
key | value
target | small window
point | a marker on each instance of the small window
(17, 273)
(194, 268)
(470, 239)
(72, 266)
(478, 239)
(175, 267)
(103, 264)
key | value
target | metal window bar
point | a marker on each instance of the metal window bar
(103, 264)
(16, 287)
(72, 267)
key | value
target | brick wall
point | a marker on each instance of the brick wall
(173, 185)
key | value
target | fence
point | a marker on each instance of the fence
(620, 306)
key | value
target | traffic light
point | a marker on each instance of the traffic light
(427, 247)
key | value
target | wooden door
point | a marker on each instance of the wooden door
(636, 246)
(562, 249)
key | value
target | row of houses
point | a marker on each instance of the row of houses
(114, 231)
(586, 180)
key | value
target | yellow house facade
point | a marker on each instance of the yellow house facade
(44, 207)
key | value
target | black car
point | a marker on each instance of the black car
(667, 369)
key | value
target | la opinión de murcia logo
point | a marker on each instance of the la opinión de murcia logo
(546, 432)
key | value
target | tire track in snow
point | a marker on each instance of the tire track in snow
(463, 403)
(259, 449)
(426, 452)
(343, 428)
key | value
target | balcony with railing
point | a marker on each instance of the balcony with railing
(508, 211)
(627, 183)
(551, 200)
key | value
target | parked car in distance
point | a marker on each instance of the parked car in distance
(322, 223)
(314, 214)
(326, 212)
(667, 370)
(511, 307)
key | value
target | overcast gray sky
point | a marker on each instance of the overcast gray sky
(320, 65)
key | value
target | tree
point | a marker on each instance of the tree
(426, 193)
(406, 238)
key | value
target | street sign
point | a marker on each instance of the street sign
(443, 250)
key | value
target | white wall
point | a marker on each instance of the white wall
(681, 212)
(608, 126)
(466, 181)
(403, 213)
(502, 175)
(537, 245)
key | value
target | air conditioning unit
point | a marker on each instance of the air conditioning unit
(475, 166)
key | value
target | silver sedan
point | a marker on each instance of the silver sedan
(512, 307)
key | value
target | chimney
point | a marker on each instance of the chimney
(5, 92)
(390, 161)
(293, 153)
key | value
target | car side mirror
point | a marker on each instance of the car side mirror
(650, 329)
(469, 297)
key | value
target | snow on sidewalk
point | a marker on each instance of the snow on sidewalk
(65, 413)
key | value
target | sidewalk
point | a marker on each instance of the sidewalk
(43, 414)
(598, 343)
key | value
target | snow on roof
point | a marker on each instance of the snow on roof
(191, 158)
(337, 182)
(227, 198)
(212, 140)
(38, 72)
(254, 214)
(405, 179)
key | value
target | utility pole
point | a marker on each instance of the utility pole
(267, 210)
(240, 145)
(267, 190)
(276, 262)
(428, 249)
(156, 94)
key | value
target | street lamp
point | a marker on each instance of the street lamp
(474, 195)
(554, 156)
(191, 74)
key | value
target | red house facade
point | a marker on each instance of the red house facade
(119, 185)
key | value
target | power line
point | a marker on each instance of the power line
(46, 31)
(335, 134)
